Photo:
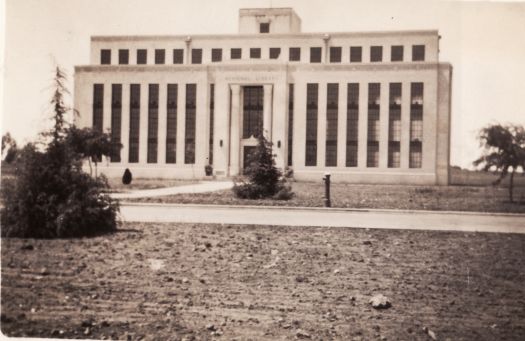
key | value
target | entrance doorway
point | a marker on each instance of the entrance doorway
(252, 120)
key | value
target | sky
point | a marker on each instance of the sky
(484, 42)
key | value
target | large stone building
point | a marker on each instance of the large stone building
(365, 106)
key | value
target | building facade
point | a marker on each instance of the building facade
(368, 107)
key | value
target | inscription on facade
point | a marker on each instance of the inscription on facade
(254, 78)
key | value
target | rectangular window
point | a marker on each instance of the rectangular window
(153, 122)
(264, 27)
(105, 56)
(295, 54)
(418, 53)
(212, 113)
(178, 56)
(189, 138)
(416, 125)
(394, 125)
(332, 107)
(235, 53)
(196, 56)
(376, 53)
(171, 124)
(116, 120)
(275, 52)
(374, 94)
(315, 54)
(311, 123)
(255, 53)
(356, 54)
(290, 123)
(160, 56)
(352, 124)
(98, 107)
(123, 57)
(216, 55)
(142, 56)
(396, 53)
(335, 54)
(134, 123)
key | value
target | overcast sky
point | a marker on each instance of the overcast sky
(484, 41)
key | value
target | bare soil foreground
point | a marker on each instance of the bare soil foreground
(203, 282)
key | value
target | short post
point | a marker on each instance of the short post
(327, 190)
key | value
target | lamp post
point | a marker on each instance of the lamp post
(326, 179)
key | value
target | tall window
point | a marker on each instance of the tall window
(216, 55)
(418, 52)
(352, 121)
(356, 54)
(394, 126)
(290, 123)
(332, 98)
(171, 126)
(196, 56)
(105, 56)
(416, 125)
(396, 53)
(275, 52)
(189, 148)
(264, 27)
(142, 56)
(255, 53)
(295, 54)
(98, 107)
(374, 93)
(235, 53)
(311, 123)
(335, 54)
(252, 118)
(178, 56)
(116, 120)
(123, 57)
(160, 56)
(153, 122)
(315, 54)
(212, 109)
(376, 53)
(134, 123)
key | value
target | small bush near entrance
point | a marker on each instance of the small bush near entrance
(264, 179)
(127, 177)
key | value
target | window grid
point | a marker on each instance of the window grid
(295, 54)
(142, 56)
(171, 124)
(123, 57)
(98, 107)
(275, 52)
(396, 53)
(264, 27)
(134, 123)
(105, 56)
(116, 121)
(311, 123)
(315, 54)
(394, 155)
(416, 125)
(418, 53)
(376, 53)
(416, 155)
(290, 123)
(196, 56)
(255, 53)
(332, 98)
(178, 56)
(212, 113)
(374, 93)
(235, 53)
(352, 121)
(335, 54)
(356, 54)
(189, 148)
(252, 119)
(394, 125)
(160, 56)
(153, 122)
(372, 154)
(216, 55)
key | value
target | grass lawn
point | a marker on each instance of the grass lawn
(142, 183)
(157, 281)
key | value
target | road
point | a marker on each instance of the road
(381, 219)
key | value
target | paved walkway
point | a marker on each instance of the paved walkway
(384, 219)
(201, 187)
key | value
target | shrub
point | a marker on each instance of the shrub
(127, 177)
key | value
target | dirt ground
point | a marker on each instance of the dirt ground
(204, 282)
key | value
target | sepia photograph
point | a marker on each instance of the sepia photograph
(196, 170)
